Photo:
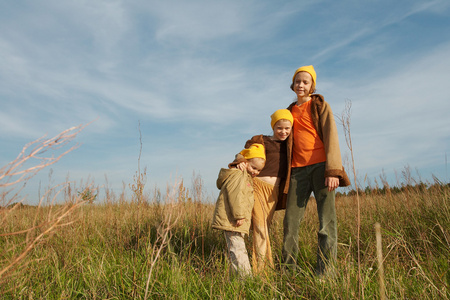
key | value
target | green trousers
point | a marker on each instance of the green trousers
(305, 180)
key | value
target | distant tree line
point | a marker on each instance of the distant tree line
(386, 189)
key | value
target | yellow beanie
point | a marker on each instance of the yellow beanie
(255, 150)
(281, 114)
(309, 69)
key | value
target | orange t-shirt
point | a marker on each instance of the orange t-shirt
(308, 149)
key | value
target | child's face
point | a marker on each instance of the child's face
(282, 129)
(255, 165)
(302, 84)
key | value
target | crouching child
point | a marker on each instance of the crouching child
(233, 211)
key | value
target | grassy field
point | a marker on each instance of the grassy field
(148, 247)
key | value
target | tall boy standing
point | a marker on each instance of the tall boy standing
(316, 167)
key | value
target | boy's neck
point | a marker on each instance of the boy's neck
(301, 100)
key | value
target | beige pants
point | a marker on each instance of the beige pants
(237, 253)
(266, 197)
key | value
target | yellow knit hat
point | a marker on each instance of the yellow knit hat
(255, 150)
(281, 114)
(309, 69)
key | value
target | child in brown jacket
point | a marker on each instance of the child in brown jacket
(270, 186)
(316, 167)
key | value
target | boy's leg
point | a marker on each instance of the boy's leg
(237, 253)
(326, 209)
(298, 196)
(266, 196)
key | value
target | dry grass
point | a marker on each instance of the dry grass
(166, 248)
(160, 245)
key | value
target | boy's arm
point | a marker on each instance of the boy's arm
(235, 194)
(334, 168)
(239, 158)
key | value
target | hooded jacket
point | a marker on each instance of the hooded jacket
(325, 125)
(235, 200)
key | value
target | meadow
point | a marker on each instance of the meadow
(95, 244)
(154, 247)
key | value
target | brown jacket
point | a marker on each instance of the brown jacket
(325, 125)
(284, 184)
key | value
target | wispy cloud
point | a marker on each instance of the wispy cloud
(399, 117)
(355, 29)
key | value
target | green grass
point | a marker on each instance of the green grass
(109, 250)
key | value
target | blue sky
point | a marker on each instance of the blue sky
(201, 77)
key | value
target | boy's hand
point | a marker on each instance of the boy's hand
(242, 166)
(239, 222)
(332, 183)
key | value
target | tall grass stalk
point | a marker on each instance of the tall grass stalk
(345, 119)
(163, 236)
(380, 261)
